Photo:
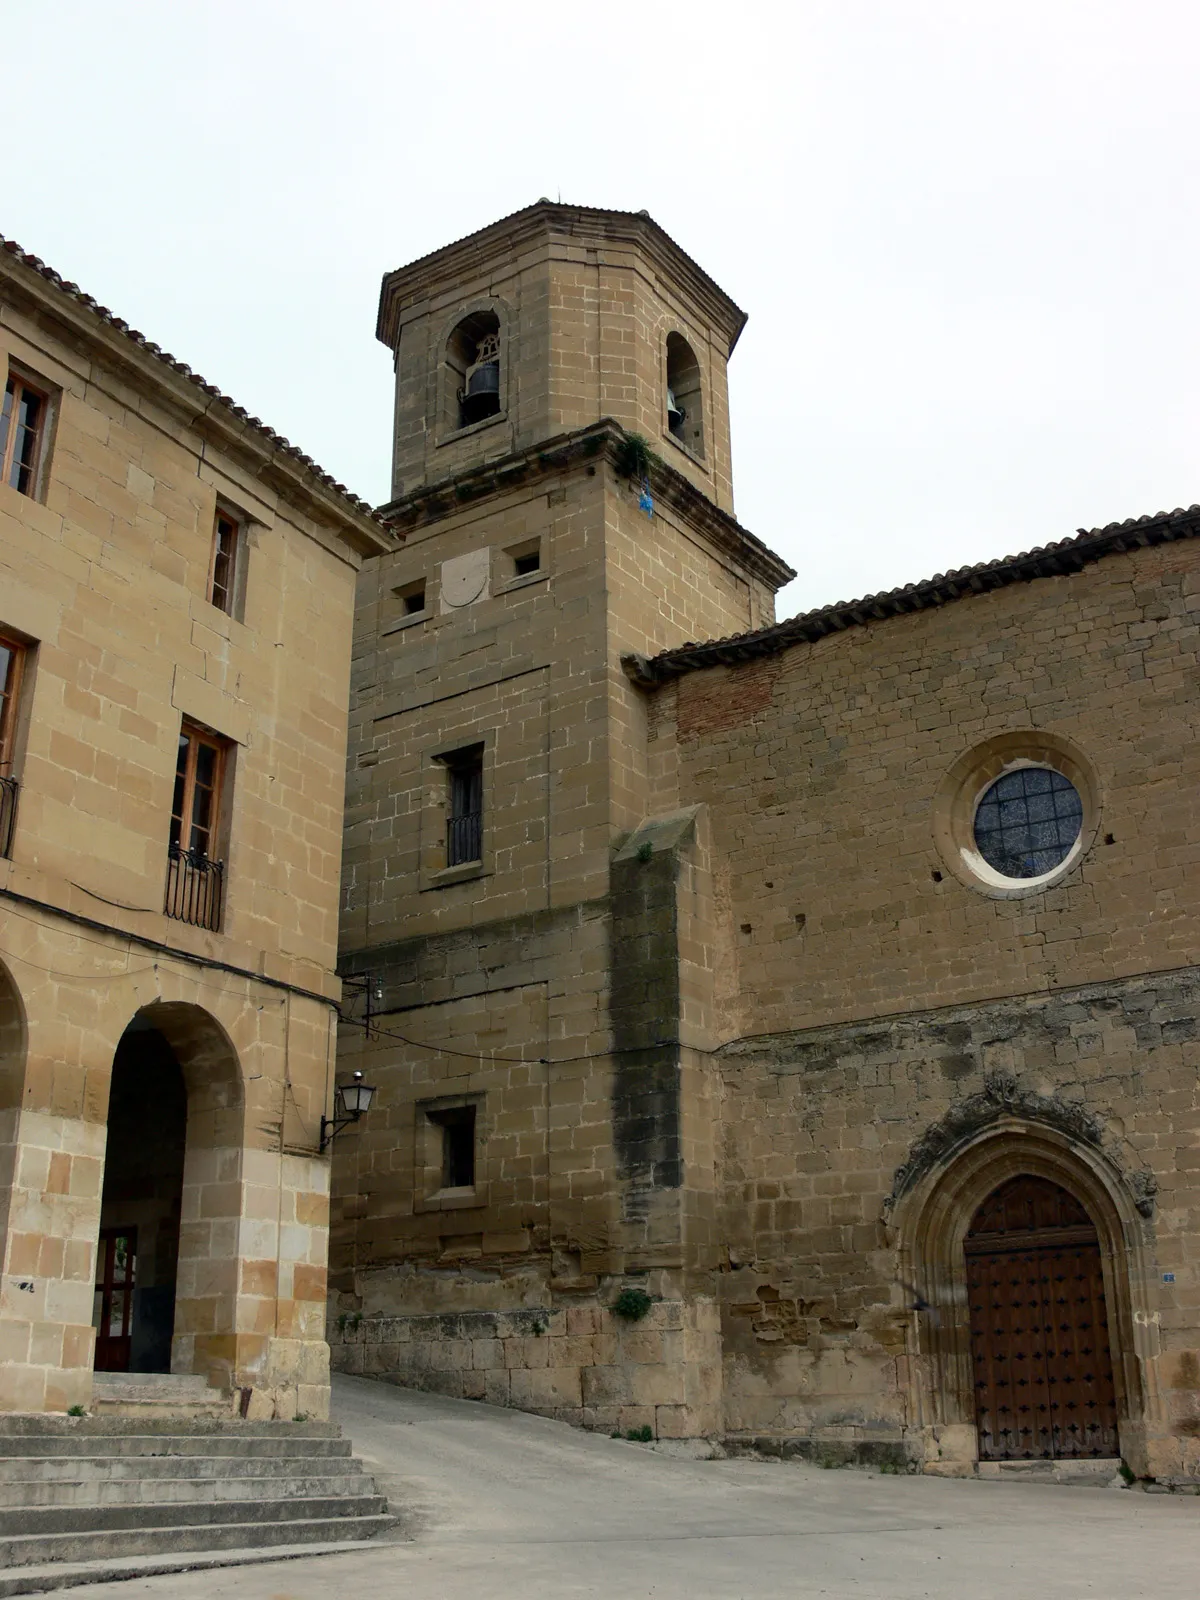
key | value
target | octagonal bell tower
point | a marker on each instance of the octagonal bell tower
(546, 322)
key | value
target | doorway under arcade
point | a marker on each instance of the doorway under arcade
(137, 1258)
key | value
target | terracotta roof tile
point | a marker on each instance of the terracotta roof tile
(119, 325)
(1049, 560)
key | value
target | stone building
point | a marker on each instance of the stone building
(176, 595)
(791, 1038)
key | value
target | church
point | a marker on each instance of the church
(782, 1033)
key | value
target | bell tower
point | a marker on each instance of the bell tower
(533, 911)
(551, 320)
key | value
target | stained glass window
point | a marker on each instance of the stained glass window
(1027, 822)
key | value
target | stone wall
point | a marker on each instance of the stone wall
(104, 576)
(883, 1016)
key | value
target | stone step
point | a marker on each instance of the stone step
(1084, 1471)
(23, 1551)
(152, 1386)
(29, 1521)
(139, 1394)
(90, 1491)
(19, 1424)
(64, 1468)
(97, 1445)
(52, 1577)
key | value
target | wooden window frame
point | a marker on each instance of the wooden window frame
(10, 696)
(185, 817)
(20, 383)
(236, 558)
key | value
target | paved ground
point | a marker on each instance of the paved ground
(509, 1507)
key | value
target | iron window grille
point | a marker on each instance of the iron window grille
(464, 823)
(12, 661)
(8, 814)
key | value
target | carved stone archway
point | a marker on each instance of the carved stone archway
(931, 1219)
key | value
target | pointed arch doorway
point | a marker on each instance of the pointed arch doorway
(1041, 1364)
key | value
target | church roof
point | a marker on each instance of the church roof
(215, 402)
(1047, 561)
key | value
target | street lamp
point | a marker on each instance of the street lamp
(351, 1100)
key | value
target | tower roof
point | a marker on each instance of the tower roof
(546, 219)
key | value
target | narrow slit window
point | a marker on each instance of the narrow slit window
(12, 661)
(226, 556)
(22, 434)
(464, 823)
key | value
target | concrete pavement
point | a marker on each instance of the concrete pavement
(504, 1506)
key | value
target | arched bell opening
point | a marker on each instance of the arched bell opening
(472, 388)
(167, 1262)
(1034, 1204)
(685, 407)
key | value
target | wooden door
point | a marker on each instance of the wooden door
(1042, 1366)
(116, 1268)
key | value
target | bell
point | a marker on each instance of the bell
(676, 414)
(481, 396)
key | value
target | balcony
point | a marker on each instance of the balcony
(195, 888)
(8, 813)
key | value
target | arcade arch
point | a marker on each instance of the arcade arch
(167, 1262)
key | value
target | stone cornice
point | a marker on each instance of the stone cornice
(604, 441)
(27, 282)
(1061, 559)
(569, 226)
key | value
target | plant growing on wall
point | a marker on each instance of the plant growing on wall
(632, 1305)
(634, 457)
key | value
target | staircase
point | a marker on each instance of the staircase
(118, 1496)
(158, 1394)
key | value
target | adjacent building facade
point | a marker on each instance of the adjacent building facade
(791, 1039)
(176, 591)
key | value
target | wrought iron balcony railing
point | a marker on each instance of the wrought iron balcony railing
(8, 813)
(195, 888)
(464, 839)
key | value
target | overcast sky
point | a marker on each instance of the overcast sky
(966, 233)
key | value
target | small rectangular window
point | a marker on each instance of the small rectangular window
(23, 434)
(531, 561)
(464, 823)
(412, 598)
(225, 562)
(457, 1124)
(195, 881)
